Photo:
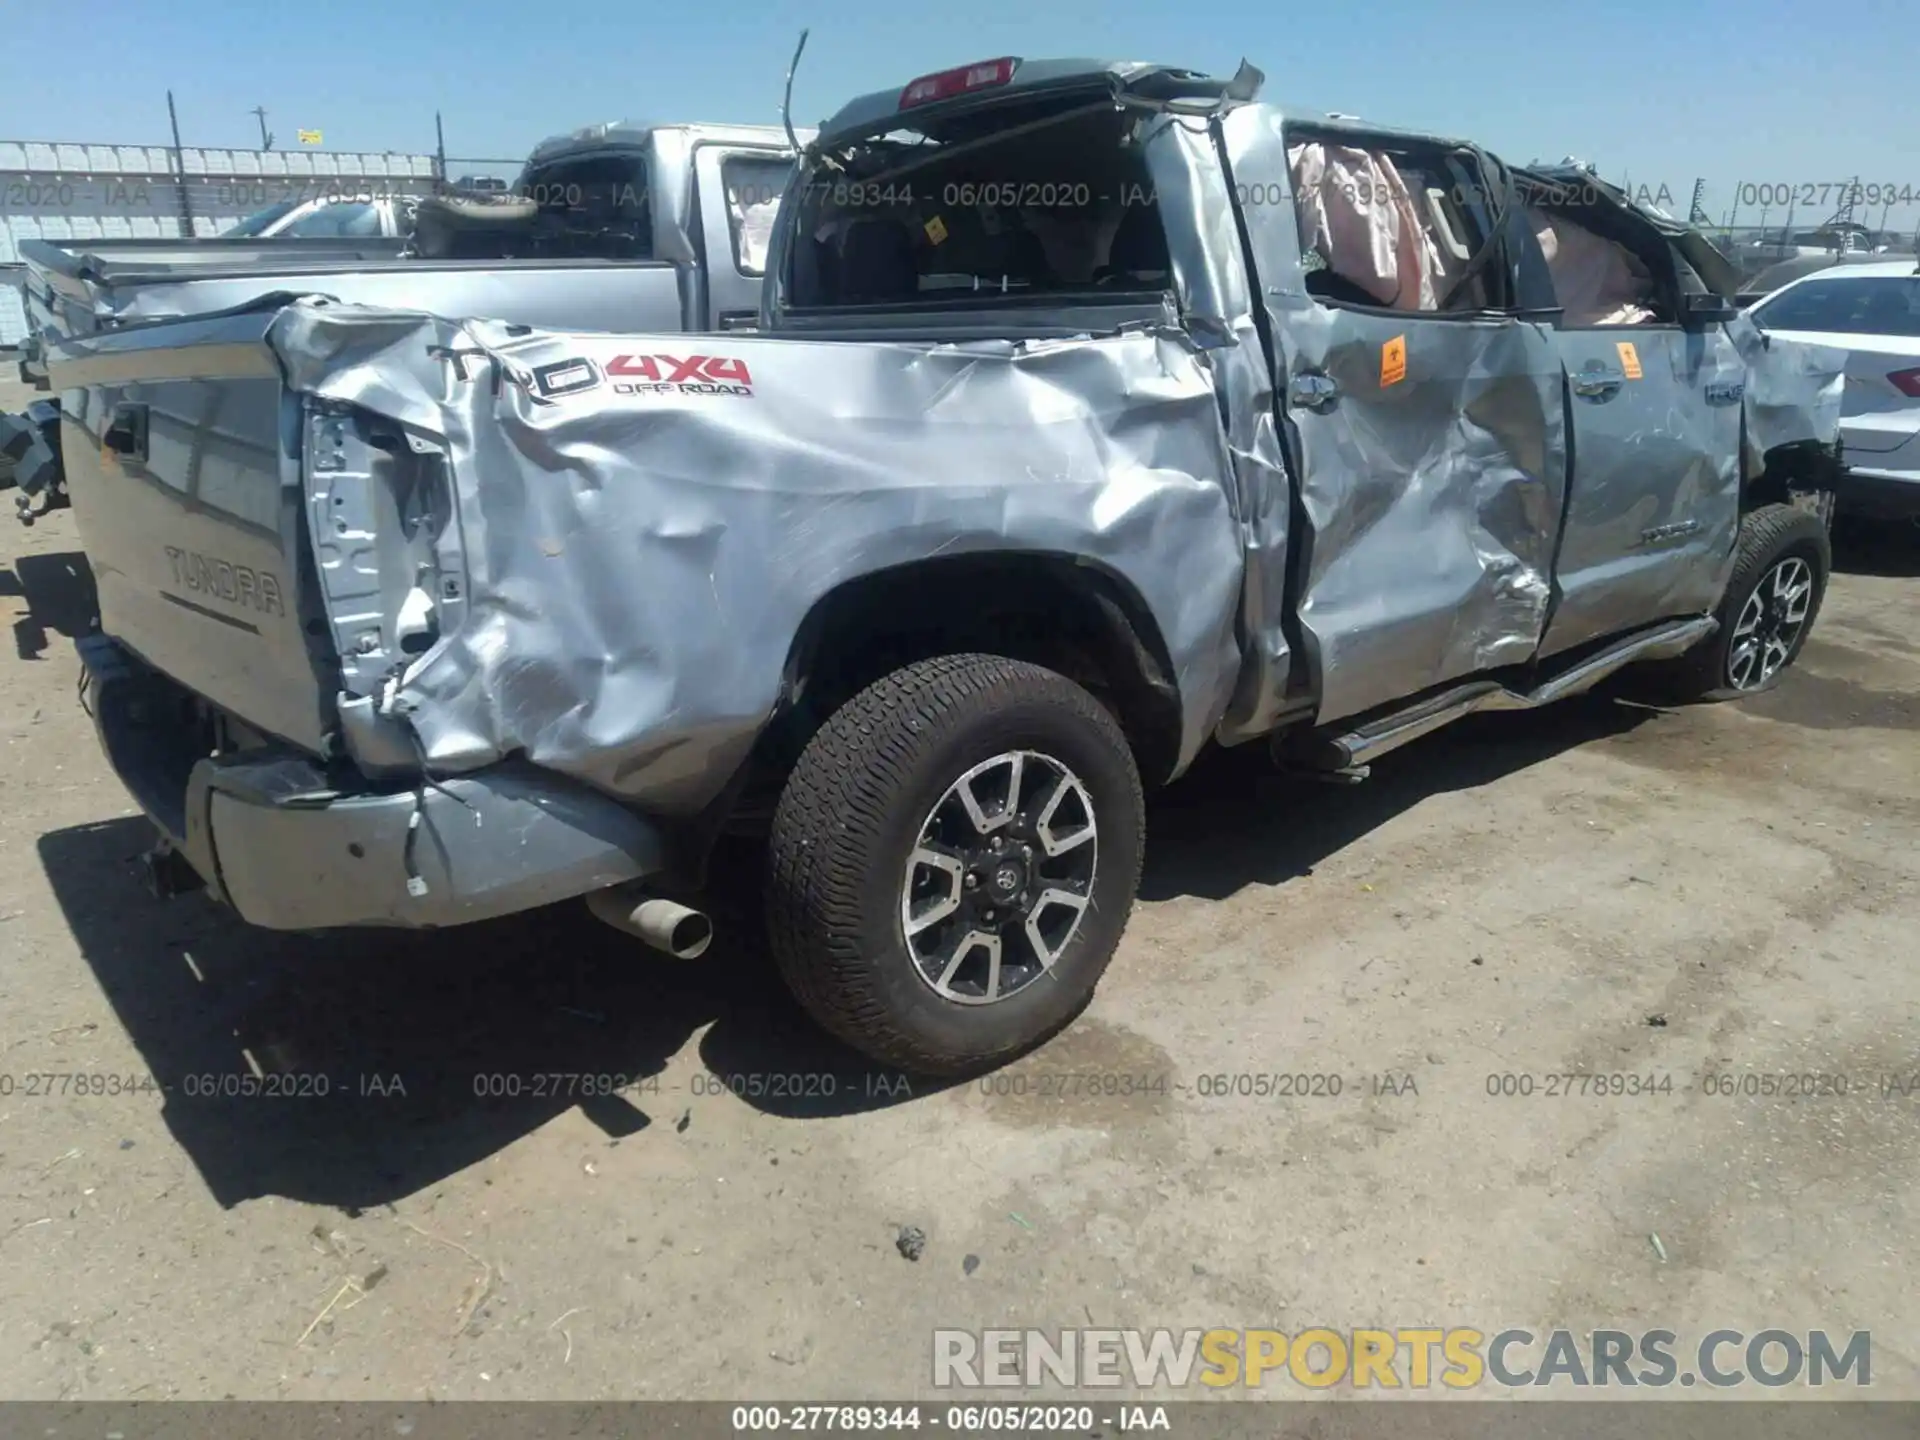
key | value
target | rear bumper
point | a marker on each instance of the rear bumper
(275, 839)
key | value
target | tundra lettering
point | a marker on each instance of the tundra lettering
(222, 579)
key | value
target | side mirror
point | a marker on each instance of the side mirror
(1708, 309)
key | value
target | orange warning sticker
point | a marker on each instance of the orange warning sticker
(1629, 359)
(936, 229)
(1393, 361)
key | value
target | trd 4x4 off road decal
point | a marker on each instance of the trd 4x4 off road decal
(669, 374)
(543, 383)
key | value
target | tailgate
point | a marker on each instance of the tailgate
(182, 455)
(57, 301)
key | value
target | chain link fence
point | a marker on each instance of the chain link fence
(71, 190)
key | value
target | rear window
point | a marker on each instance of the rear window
(982, 212)
(341, 219)
(261, 219)
(593, 208)
(1847, 305)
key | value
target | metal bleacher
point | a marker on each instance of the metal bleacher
(54, 190)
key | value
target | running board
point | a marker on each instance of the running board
(1357, 748)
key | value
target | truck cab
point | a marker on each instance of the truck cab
(1538, 394)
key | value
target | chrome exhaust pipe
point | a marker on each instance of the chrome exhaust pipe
(669, 927)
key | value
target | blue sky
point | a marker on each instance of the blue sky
(1779, 91)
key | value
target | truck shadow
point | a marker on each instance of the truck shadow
(1889, 551)
(58, 589)
(355, 1068)
(1234, 821)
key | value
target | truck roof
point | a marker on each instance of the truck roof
(875, 113)
(633, 134)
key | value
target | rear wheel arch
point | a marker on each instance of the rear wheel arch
(1798, 469)
(1080, 619)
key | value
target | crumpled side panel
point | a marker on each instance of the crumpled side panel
(670, 204)
(1433, 482)
(1793, 391)
(1219, 301)
(1654, 505)
(1433, 502)
(642, 551)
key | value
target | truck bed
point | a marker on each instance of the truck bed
(610, 519)
(108, 260)
(73, 289)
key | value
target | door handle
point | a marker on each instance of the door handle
(1313, 392)
(126, 432)
(1597, 382)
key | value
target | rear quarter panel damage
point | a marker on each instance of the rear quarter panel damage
(642, 549)
(1793, 392)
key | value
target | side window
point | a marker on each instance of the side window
(1599, 279)
(754, 185)
(1393, 226)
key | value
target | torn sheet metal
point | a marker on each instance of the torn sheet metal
(1653, 508)
(1793, 392)
(1569, 178)
(647, 520)
(1218, 303)
(1433, 500)
(672, 212)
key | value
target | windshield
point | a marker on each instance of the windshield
(1847, 305)
(258, 222)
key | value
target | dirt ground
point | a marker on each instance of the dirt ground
(1602, 888)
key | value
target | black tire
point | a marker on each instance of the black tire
(1768, 536)
(851, 815)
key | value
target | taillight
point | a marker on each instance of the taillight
(948, 83)
(1907, 382)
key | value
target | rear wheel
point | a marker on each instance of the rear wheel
(1779, 579)
(954, 859)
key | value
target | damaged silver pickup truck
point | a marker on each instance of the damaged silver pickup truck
(1099, 412)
